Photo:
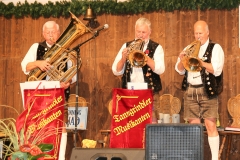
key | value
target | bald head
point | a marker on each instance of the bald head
(202, 24)
(201, 31)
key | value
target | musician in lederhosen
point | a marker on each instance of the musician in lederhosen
(203, 85)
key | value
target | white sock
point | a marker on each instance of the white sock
(63, 145)
(214, 146)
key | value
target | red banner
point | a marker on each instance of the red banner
(132, 110)
(42, 120)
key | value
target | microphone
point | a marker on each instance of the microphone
(105, 26)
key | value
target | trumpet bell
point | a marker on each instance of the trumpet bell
(138, 58)
(193, 65)
(190, 61)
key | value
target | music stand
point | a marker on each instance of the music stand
(77, 49)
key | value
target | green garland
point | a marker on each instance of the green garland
(78, 7)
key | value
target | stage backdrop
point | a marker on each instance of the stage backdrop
(173, 30)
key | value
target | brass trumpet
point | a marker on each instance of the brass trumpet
(191, 61)
(136, 56)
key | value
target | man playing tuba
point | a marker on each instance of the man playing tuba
(202, 82)
(141, 67)
(34, 59)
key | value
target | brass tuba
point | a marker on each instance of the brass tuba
(136, 56)
(190, 61)
(58, 55)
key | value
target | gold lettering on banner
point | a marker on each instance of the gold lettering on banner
(141, 105)
(131, 124)
(44, 121)
(48, 120)
(31, 128)
(53, 104)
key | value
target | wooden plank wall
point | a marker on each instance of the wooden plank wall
(173, 30)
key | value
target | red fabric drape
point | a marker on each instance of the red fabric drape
(43, 117)
(132, 110)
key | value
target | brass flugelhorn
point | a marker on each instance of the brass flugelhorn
(190, 61)
(136, 56)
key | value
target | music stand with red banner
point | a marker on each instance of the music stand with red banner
(131, 112)
(42, 119)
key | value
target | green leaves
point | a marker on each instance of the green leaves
(19, 155)
(79, 7)
(45, 147)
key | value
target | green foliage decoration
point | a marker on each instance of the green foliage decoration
(61, 8)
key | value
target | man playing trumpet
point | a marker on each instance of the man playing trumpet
(154, 63)
(203, 84)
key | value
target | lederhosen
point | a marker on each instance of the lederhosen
(153, 80)
(212, 84)
(42, 49)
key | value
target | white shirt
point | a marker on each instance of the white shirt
(137, 73)
(217, 62)
(31, 56)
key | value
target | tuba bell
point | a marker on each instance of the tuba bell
(190, 61)
(136, 56)
(58, 55)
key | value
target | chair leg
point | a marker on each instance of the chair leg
(221, 148)
(106, 134)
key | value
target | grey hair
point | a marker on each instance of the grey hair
(142, 21)
(50, 23)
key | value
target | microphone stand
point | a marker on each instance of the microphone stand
(77, 49)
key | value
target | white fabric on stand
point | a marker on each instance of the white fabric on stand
(63, 145)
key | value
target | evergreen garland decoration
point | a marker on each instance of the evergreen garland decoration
(79, 7)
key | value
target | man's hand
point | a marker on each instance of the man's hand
(180, 64)
(121, 63)
(181, 55)
(125, 53)
(65, 85)
(44, 65)
(41, 64)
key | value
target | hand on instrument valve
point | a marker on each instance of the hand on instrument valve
(125, 53)
(44, 65)
(181, 55)
(180, 65)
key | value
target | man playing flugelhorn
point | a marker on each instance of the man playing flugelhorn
(154, 63)
(203, 84)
